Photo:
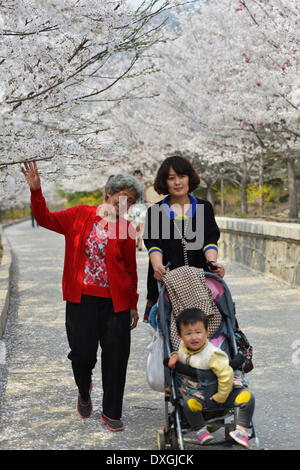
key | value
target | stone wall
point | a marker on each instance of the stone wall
(271, 247)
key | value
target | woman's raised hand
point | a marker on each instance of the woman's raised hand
(31, 173)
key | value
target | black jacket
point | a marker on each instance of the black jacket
(201, 231)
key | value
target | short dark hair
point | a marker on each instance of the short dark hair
(181, 166)
(190, 316)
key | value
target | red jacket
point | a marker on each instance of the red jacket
(76, 224)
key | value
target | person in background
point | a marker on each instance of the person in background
(99, 287)
(139, 211)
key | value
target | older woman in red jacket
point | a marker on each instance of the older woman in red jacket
(99, 286)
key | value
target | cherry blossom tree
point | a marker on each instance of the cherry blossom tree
(228, 87)
(103, 86)
(260, 86)
(60, 61)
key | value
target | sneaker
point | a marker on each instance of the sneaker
(84, 408)
(240, 437)
(204, 436)
(112, 424)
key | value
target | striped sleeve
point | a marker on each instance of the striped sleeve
(211, 230)
(154, 248)
(210, 246)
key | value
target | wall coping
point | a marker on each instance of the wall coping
(5, 274)
(290, 231)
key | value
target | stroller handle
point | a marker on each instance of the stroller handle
(208, 264)
(211, 266)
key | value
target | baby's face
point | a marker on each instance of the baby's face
(193, 335)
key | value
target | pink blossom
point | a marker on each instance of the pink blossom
(244, 123)
(258, 83)
(260, 123)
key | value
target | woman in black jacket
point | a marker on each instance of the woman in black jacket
(180, 229)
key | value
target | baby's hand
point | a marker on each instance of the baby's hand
(172, 361)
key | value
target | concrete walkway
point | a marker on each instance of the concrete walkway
(37, 391)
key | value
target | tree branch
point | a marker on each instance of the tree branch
(2, 165)
(78, 48)
(111, 84)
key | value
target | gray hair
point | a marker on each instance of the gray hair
(117, 183)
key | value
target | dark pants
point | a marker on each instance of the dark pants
(91, 321)
(239, 397)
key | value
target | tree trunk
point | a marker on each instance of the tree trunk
(293, 213)
(210, 195)
(261, 184)
(244, 200)
(244, 186)
(222, 197)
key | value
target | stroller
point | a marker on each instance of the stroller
(170, 436)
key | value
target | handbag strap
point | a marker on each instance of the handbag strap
(183, 240)
(185, 256)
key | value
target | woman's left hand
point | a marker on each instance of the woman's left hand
(134, 318)
(220, 271)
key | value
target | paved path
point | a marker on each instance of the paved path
(37, 392)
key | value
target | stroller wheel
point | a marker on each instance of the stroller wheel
(167, 439)
(230, 427)
(161, 439)
(174, 439)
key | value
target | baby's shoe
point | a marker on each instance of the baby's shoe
(240, 437)
(204, 436)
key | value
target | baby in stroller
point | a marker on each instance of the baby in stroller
(196, 351)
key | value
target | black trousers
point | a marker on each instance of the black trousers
(238, 397)
(89, 323)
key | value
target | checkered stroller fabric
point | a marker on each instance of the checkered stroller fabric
(186, 288)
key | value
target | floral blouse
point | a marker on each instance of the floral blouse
(95, 271)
